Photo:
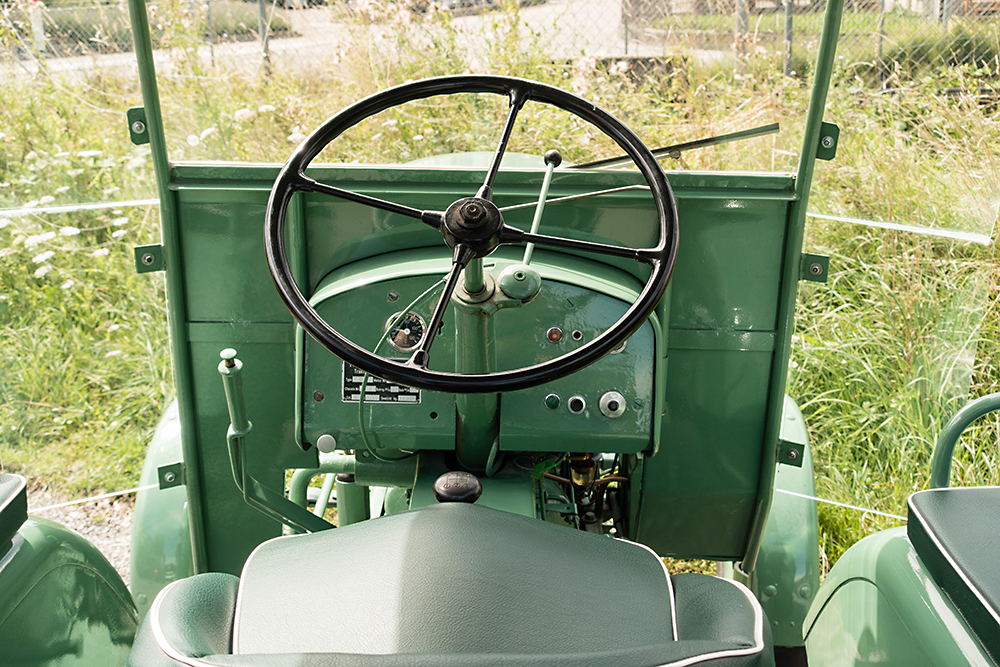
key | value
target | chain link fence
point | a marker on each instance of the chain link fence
(887, 36)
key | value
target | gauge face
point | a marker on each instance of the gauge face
(407, 333)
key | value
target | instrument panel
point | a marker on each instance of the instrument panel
(386, 302)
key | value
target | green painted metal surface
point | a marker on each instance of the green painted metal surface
(61, 602)
(786, 577)
(878, 605)
(720, 344)
(161, 548)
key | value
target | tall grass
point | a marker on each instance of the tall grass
(904, 331)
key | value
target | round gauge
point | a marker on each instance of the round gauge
(407, 333)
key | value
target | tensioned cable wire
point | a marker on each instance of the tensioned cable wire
(93, 498)
(834, 502)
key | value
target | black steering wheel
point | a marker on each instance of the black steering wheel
(472, 227)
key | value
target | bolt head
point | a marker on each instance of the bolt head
(793, 454)
(147, 258)
(169, 478)
(473, 211)
(139, 127)
(827, 141)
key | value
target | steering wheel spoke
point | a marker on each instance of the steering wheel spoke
(431, 218)
(518, 96)
(421, 356)
(513, 235)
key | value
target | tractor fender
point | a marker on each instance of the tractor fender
(161, 539)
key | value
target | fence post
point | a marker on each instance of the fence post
(263, 28)
(742, 31)
(626, 10)
(789, 11)
(37, 26)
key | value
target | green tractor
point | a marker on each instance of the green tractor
(521, 383)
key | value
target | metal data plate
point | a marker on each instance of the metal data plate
(376, 391)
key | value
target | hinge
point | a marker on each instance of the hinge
(171, 475)
(814, 267)
(829, 136)
(138, 129)
(791, 453)
(149, 258)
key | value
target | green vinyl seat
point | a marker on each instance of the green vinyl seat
(956, 534)
(453, 584)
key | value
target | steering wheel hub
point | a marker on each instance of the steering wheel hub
(475, 222)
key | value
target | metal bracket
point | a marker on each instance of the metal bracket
(814, 267)
(791, 453)
(829, 136)
(149, 258)
(138, 129)
(171, 475)
(561, 508)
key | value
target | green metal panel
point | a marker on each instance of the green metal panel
(698, 492)
(786, 578)
(879, 605)
(161, 550)
(61, 602)
(721, 337)
(355, 300)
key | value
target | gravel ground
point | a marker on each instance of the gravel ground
(107, 523)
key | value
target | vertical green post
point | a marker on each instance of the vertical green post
(175, 285)
(352, 501)
(790, 274)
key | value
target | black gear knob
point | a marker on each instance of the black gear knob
(457, 487)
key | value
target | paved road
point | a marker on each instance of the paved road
(564, 28)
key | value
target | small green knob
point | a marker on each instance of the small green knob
(520, 281)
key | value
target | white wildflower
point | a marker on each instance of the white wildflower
(89, 153)
(69, 283)
(43, 257)
(47, 199)
(32, 241)
(296, 137)
(113, 353)
(206, 133)
(118, 222)
(69, 231)
(31, 155)
(244, 115)
(265, 108)
(63, 188)
(193, 140)
(390, 122)
(111, 191)
(418, 137)
(114, 327)
(120, 233)
(31, 204)
(42, 270)
(100, 252)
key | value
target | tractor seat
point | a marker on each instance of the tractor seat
(956, 534)
(453, 584)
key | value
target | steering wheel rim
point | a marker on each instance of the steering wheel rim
(414, 373)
